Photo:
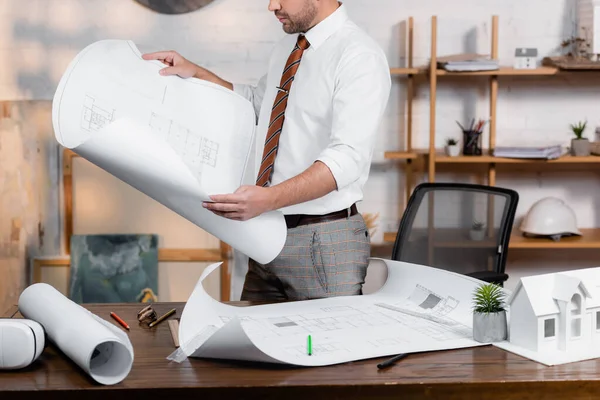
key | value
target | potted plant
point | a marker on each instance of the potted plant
(452, 148)
(489, 314)
(477, 231)
(580, 146)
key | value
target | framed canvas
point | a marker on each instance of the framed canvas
(121, 268)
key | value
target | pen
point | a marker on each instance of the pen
(119, 320)
(391, 361)
(309, 345)
(162, 318)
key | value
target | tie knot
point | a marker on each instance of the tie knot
(303, 42)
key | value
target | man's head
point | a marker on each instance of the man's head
(301, 15)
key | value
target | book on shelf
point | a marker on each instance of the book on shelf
(543, 152)
(467, 62)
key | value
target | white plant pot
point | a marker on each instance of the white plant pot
(580, 147)
(477, 235)
(488, 328)
(452, 151)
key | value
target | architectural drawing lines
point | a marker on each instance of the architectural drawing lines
(195, 150)
(94, 116)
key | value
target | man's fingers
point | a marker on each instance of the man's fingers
(230, 215)
(159, 55)
(225, 198)
(224, 207)
(170, 71)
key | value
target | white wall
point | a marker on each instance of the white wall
(234, 38)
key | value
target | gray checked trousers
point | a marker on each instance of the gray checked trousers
(319, 260)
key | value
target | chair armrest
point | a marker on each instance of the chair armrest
(489, 276)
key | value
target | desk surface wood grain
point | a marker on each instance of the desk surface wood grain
(477, 373)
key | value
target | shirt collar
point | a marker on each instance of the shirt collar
(319, 33)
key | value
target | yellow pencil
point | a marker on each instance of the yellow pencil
(162, 318)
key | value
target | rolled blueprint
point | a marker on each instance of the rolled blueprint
(176, 140)
(98, 347)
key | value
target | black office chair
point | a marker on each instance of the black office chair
(439, 229)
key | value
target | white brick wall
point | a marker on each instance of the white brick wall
(233, 38)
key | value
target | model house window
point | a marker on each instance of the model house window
(576, 304)
(576, 327)
(598, 320)
(549, 328)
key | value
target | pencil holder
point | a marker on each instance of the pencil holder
(472, 143)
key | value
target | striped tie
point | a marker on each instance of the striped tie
(277, 113)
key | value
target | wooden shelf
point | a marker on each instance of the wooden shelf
(487, 159)
(590, 239)
(400, 155)
(432, 159)
(407, 71)
(503, 71)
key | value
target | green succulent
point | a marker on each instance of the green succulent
(488, 298)
(578, 129)
(478, 225)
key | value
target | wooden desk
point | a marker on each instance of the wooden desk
(478, 373)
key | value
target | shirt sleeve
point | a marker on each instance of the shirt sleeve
(254, 94)
(361, 94)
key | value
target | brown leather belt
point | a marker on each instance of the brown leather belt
(294, 220)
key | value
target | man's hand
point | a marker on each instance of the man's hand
(247, 202)
(176, 64)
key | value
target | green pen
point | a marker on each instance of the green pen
(309, 345)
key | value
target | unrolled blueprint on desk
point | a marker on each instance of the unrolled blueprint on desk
(418, 309)
(176, 140)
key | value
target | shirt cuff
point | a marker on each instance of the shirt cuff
(243, 90)
(343, 167)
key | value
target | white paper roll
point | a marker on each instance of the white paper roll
(100, 348)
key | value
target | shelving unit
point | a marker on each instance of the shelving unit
(432, 157)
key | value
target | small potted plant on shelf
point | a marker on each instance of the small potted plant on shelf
(477, 231)
(580, 146)
(489, 314)
(452, 148)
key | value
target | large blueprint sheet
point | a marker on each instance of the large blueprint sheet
(176, 140)
(418, 309)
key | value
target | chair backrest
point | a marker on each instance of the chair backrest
(460, 227)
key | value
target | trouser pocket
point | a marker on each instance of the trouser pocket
(319, 261)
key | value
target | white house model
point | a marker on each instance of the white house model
(555, 318)
(526, 58)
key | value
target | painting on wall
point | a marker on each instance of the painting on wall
(114, 268)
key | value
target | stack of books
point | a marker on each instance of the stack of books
(543, 152)
(467, 62)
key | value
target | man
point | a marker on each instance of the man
(319, 108)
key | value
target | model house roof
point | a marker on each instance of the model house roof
(545, 291)
(526, 52)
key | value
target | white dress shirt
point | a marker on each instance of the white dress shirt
(334, 109)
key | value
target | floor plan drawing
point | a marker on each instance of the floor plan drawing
(94, 116)
(195, 150)
(210, 151)
(418, 309)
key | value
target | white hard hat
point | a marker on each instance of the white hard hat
(550, 216)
